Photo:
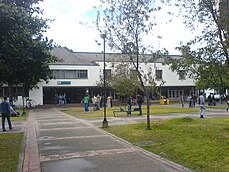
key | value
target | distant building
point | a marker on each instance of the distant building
(78, 73)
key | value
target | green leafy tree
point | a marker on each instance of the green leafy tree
(213, 76)
(208, 63)
(126, 24)
(24, 53)
(122, 80)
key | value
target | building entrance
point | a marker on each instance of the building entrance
(73, 95)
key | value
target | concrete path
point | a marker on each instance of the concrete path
(210, 113)
(57, 142)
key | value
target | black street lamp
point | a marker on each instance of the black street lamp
(105, 122)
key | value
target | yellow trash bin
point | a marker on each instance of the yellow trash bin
(164, 101)
(161, 101)
(167, 101)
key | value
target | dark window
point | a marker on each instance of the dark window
(70, 74)
(158, 74)
(58, 74)
(82, 74)
(182, 75)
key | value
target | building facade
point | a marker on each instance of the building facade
(79, 73)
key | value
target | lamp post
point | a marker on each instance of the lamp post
(105, 122)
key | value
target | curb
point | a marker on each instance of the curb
(22, 150)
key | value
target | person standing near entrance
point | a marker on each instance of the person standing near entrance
(5, 108)
(202, 105)
(86, 101)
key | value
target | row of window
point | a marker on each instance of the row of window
(70, 74)
(158, 74)
(83, 74)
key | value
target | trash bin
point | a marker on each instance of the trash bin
(164, 101)
(167, 101)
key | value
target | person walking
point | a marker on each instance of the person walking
(129, 104)
(193, 101)
(202, 105)
(140, 101)
(5, 108)
(189, 99)
(95, 102)
(86, 101)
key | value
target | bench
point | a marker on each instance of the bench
(126, 111)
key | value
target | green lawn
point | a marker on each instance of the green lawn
(219, 106)
(199, 144)
(10, 145)
(155, 109)
(20, 118)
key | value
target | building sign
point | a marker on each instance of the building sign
(63, 82)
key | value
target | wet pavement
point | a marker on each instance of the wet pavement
(18, 126)
(57, 142)
(64, 143)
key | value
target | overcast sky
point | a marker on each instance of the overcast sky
(67, 31)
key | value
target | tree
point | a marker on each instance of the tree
(122, 80)
(24, 53)
(126, 23)
(208, 63)
(213, 76)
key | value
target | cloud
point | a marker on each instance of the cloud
(67, 31)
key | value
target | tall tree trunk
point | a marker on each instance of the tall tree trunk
(148, 110)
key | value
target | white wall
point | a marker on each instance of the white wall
(94, 72)
(37, 94)
(93, 76)
(171, 78)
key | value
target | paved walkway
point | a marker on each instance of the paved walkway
(57, 142)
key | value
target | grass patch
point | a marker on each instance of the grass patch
(199, 144)
(218, 105)
(223, 106)
(20, 118)
(154, 109)
(10, 150)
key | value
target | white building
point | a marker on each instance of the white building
(79, 73)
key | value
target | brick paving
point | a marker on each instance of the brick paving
(31, 156)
